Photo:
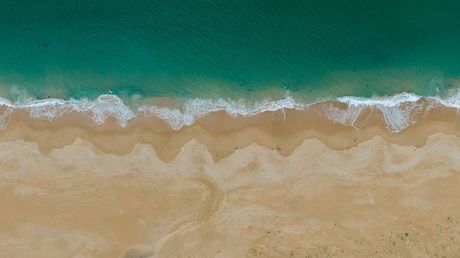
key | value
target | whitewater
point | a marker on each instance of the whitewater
(399, 111)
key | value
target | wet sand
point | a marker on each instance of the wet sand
(274, 185)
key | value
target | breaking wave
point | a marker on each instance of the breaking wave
(398, 111)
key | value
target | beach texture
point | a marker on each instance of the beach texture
(251, 191)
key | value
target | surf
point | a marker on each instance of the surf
(398, 111)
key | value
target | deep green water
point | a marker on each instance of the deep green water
(61, 48)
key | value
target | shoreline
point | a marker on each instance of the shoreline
(396, 111)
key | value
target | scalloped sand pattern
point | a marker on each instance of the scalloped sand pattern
(376, 199)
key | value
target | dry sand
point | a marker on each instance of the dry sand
(260, 187)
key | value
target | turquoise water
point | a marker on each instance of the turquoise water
(314, 49)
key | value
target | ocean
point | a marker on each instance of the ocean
(239, 56)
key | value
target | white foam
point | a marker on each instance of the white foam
(196, 108)
(99, 110)
(398, 111)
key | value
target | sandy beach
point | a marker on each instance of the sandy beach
(272, 185)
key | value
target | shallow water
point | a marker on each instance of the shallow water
(209, 49)
(181, 60)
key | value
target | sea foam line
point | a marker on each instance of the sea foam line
(398, 110)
